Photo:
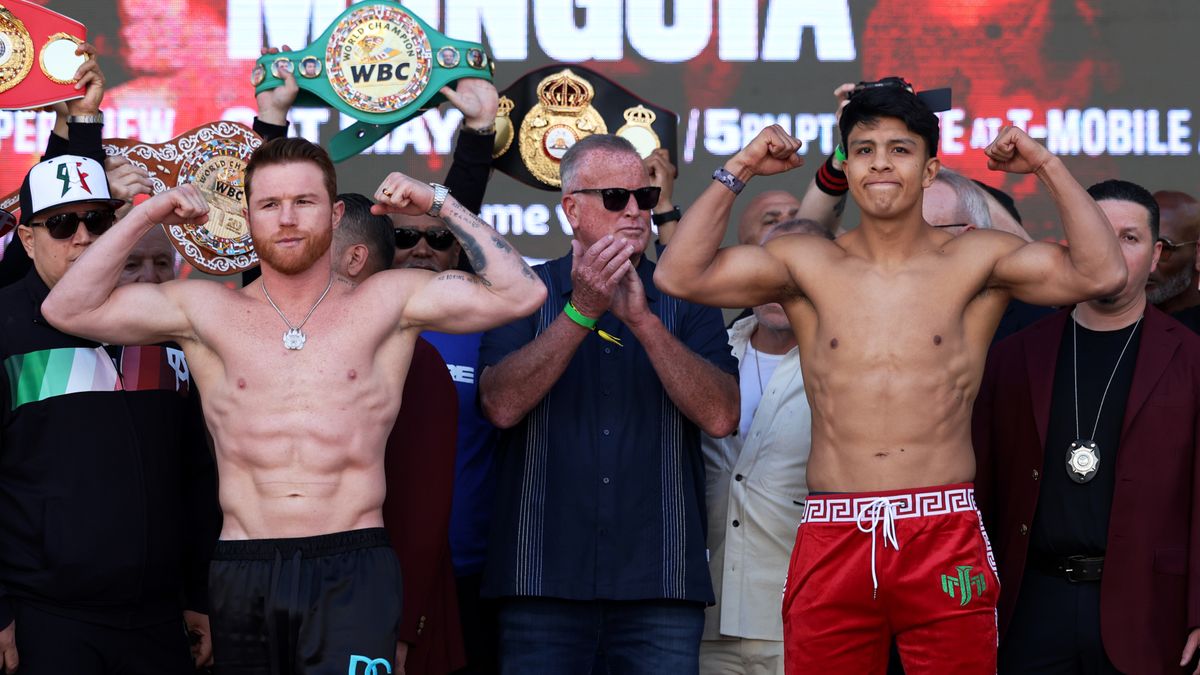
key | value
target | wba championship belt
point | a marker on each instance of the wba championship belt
(213, 157)
(378, 63)
(37, 55)
(551, 108)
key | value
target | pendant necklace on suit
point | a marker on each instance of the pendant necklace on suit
(1083, 454)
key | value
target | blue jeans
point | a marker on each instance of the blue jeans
(543, 636)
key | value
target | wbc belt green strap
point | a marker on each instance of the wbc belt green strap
(378, 63)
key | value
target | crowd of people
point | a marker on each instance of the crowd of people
(928, 443)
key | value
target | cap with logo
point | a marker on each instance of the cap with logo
(63, 180)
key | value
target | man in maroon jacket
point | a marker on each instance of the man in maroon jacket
(1086, 437)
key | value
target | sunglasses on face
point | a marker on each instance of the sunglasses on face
(615, 199)
(438, 240)
(64, 225)
(1169, 247)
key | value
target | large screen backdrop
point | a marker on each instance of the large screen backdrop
(1110, 85)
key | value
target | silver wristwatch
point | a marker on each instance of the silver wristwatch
(440, 192)
(98, 118)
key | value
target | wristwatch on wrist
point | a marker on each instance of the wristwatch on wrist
(666, 216)
(486, 131)
(728, 180)
(98, 118)
(440, 192)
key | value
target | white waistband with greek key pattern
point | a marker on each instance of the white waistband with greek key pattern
(833, 509)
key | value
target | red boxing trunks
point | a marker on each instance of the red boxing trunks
(911, 564)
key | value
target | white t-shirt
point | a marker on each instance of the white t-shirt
(756, 370)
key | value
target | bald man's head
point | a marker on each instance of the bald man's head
(152, 260)
(1179, 215)
(1171, 285)
(765, 210)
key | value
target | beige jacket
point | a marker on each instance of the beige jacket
(758, 483)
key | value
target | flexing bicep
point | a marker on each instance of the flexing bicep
(132, 314)
(1041, 273)
(737, 276)
(449, 302)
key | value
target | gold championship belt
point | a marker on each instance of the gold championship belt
(37, 55)
(378, 63)
(550, 109)
(213, 157)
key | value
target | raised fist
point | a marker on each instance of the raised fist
(400, 194)
(772, 151)
(1015, 152)
(184, 204)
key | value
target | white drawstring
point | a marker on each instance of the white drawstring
(888, 509)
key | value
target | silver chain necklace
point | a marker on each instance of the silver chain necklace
(758, 369)
(295, 338)
(1083, 454)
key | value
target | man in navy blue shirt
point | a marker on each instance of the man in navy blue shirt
(597, 541)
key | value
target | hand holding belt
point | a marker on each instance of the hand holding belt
(33, 35)
(378, 63)
(214, 157)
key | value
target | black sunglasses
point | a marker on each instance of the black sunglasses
(438, 240)
(64, 225)
(615, 199)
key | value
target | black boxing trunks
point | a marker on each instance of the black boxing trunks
(325, 604)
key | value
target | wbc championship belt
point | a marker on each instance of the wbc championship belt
(378, 63)
(37, 55)
(550, 109)
(213, 157)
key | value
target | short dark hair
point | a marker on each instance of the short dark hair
(360, 226)
(1122, 190)
(291, 151)
(869, 105)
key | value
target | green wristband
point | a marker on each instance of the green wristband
(839, 154)
(574, 315)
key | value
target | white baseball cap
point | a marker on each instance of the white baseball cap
(66, 179)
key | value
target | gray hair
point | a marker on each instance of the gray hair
(568, 168)
(972, 200)
(797, 226)
(360, 226)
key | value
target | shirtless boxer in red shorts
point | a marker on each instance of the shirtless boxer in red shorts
(893, 321)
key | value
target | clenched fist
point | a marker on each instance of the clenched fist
(184, 204)
(772, 151)
(1015, 152)
(400, 194)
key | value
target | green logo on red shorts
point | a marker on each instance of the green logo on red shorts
(962, 583)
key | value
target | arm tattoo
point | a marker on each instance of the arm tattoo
(470, 244)
(473, 247)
